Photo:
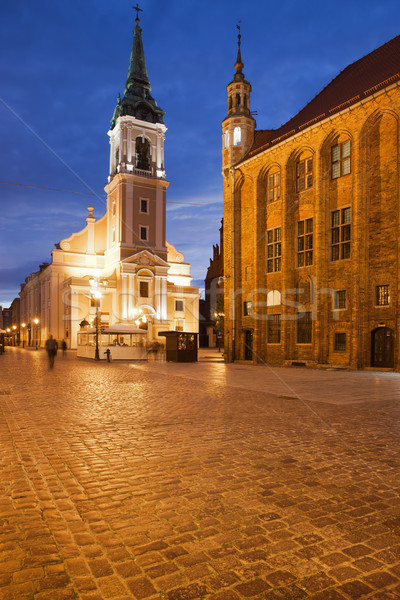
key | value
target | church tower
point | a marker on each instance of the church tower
(137, 186)
(238, 127)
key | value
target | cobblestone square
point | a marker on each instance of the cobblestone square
(183, 481)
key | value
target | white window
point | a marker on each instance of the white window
(143, 233)
(226, 139)
(179, 306)
(273, 298)
(144, 206)
(237, 136)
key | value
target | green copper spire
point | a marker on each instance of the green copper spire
(138, 101)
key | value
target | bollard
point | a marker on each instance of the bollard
(108, 352)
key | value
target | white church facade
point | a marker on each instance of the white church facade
(119, 266)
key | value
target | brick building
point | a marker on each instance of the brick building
(311, 223)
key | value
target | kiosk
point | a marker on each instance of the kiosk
(116, 342)
(181, 346)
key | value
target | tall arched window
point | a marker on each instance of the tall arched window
(226, 139)
(143, 153)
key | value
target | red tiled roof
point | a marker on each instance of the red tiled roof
(362, 78)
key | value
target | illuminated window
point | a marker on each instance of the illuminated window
(226, 139)
(382, 295)
(273, 186)
(274, 250)
(237, 136)
(341, 159)
(247, 309)
(304, 174)
(305, 243)
(340, 233)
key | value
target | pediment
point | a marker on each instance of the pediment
(145, 258)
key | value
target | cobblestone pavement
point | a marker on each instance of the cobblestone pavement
(178, 482)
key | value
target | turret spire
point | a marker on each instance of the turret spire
(238, 65)
(138, 101)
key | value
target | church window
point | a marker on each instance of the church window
(237, 136)
(304, 174)
(144, 233)
(144, 289)
(144, 205)
(274, 329)
(382, 295)
(142, 153)
(341, 159)
(274, 250)
(226, 139)
(340, 233)
(273, 186)
(305, 243)
(304, 328)
(340, 342)
(237, 99)
(274, 298)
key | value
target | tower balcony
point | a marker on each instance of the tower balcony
(154, 173)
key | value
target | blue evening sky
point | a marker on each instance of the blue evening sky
(63, 63)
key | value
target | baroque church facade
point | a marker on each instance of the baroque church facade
(120, 264)
(312, 223)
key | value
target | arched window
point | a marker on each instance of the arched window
(237, 136)
(273, 185)
(237, 99)
(273, 298)
(142, 153)
(226, 139)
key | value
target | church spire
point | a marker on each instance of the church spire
(239, 65)
(138, 101)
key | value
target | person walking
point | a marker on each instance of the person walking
(51, 349)
(64, 347)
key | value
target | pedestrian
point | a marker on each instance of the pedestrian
(64, 347)
(51, 349)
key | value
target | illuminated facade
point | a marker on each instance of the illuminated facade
(120, 264)
(312, 223)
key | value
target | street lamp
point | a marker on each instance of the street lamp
(14, 332)
(36, 321)
(23, 325)
(96, 295)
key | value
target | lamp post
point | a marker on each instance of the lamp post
(23, 325)
(36, 321)
(96, 295)
(14, 327)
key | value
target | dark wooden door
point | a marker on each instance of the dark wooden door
(382, 347)
(248, 345)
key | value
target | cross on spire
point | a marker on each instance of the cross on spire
(137, 10)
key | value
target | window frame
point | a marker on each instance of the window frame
(146, 286)
(146, 229)
(274, 250)
(274, 186)
(179, 300)
(340, 234)
(303, 181)
(247, 308)
(337, 164)
(274, 328)
(305, 243)
(340, 298)
(147, 211)
(304, 328)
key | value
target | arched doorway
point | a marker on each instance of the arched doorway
(382, 347)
